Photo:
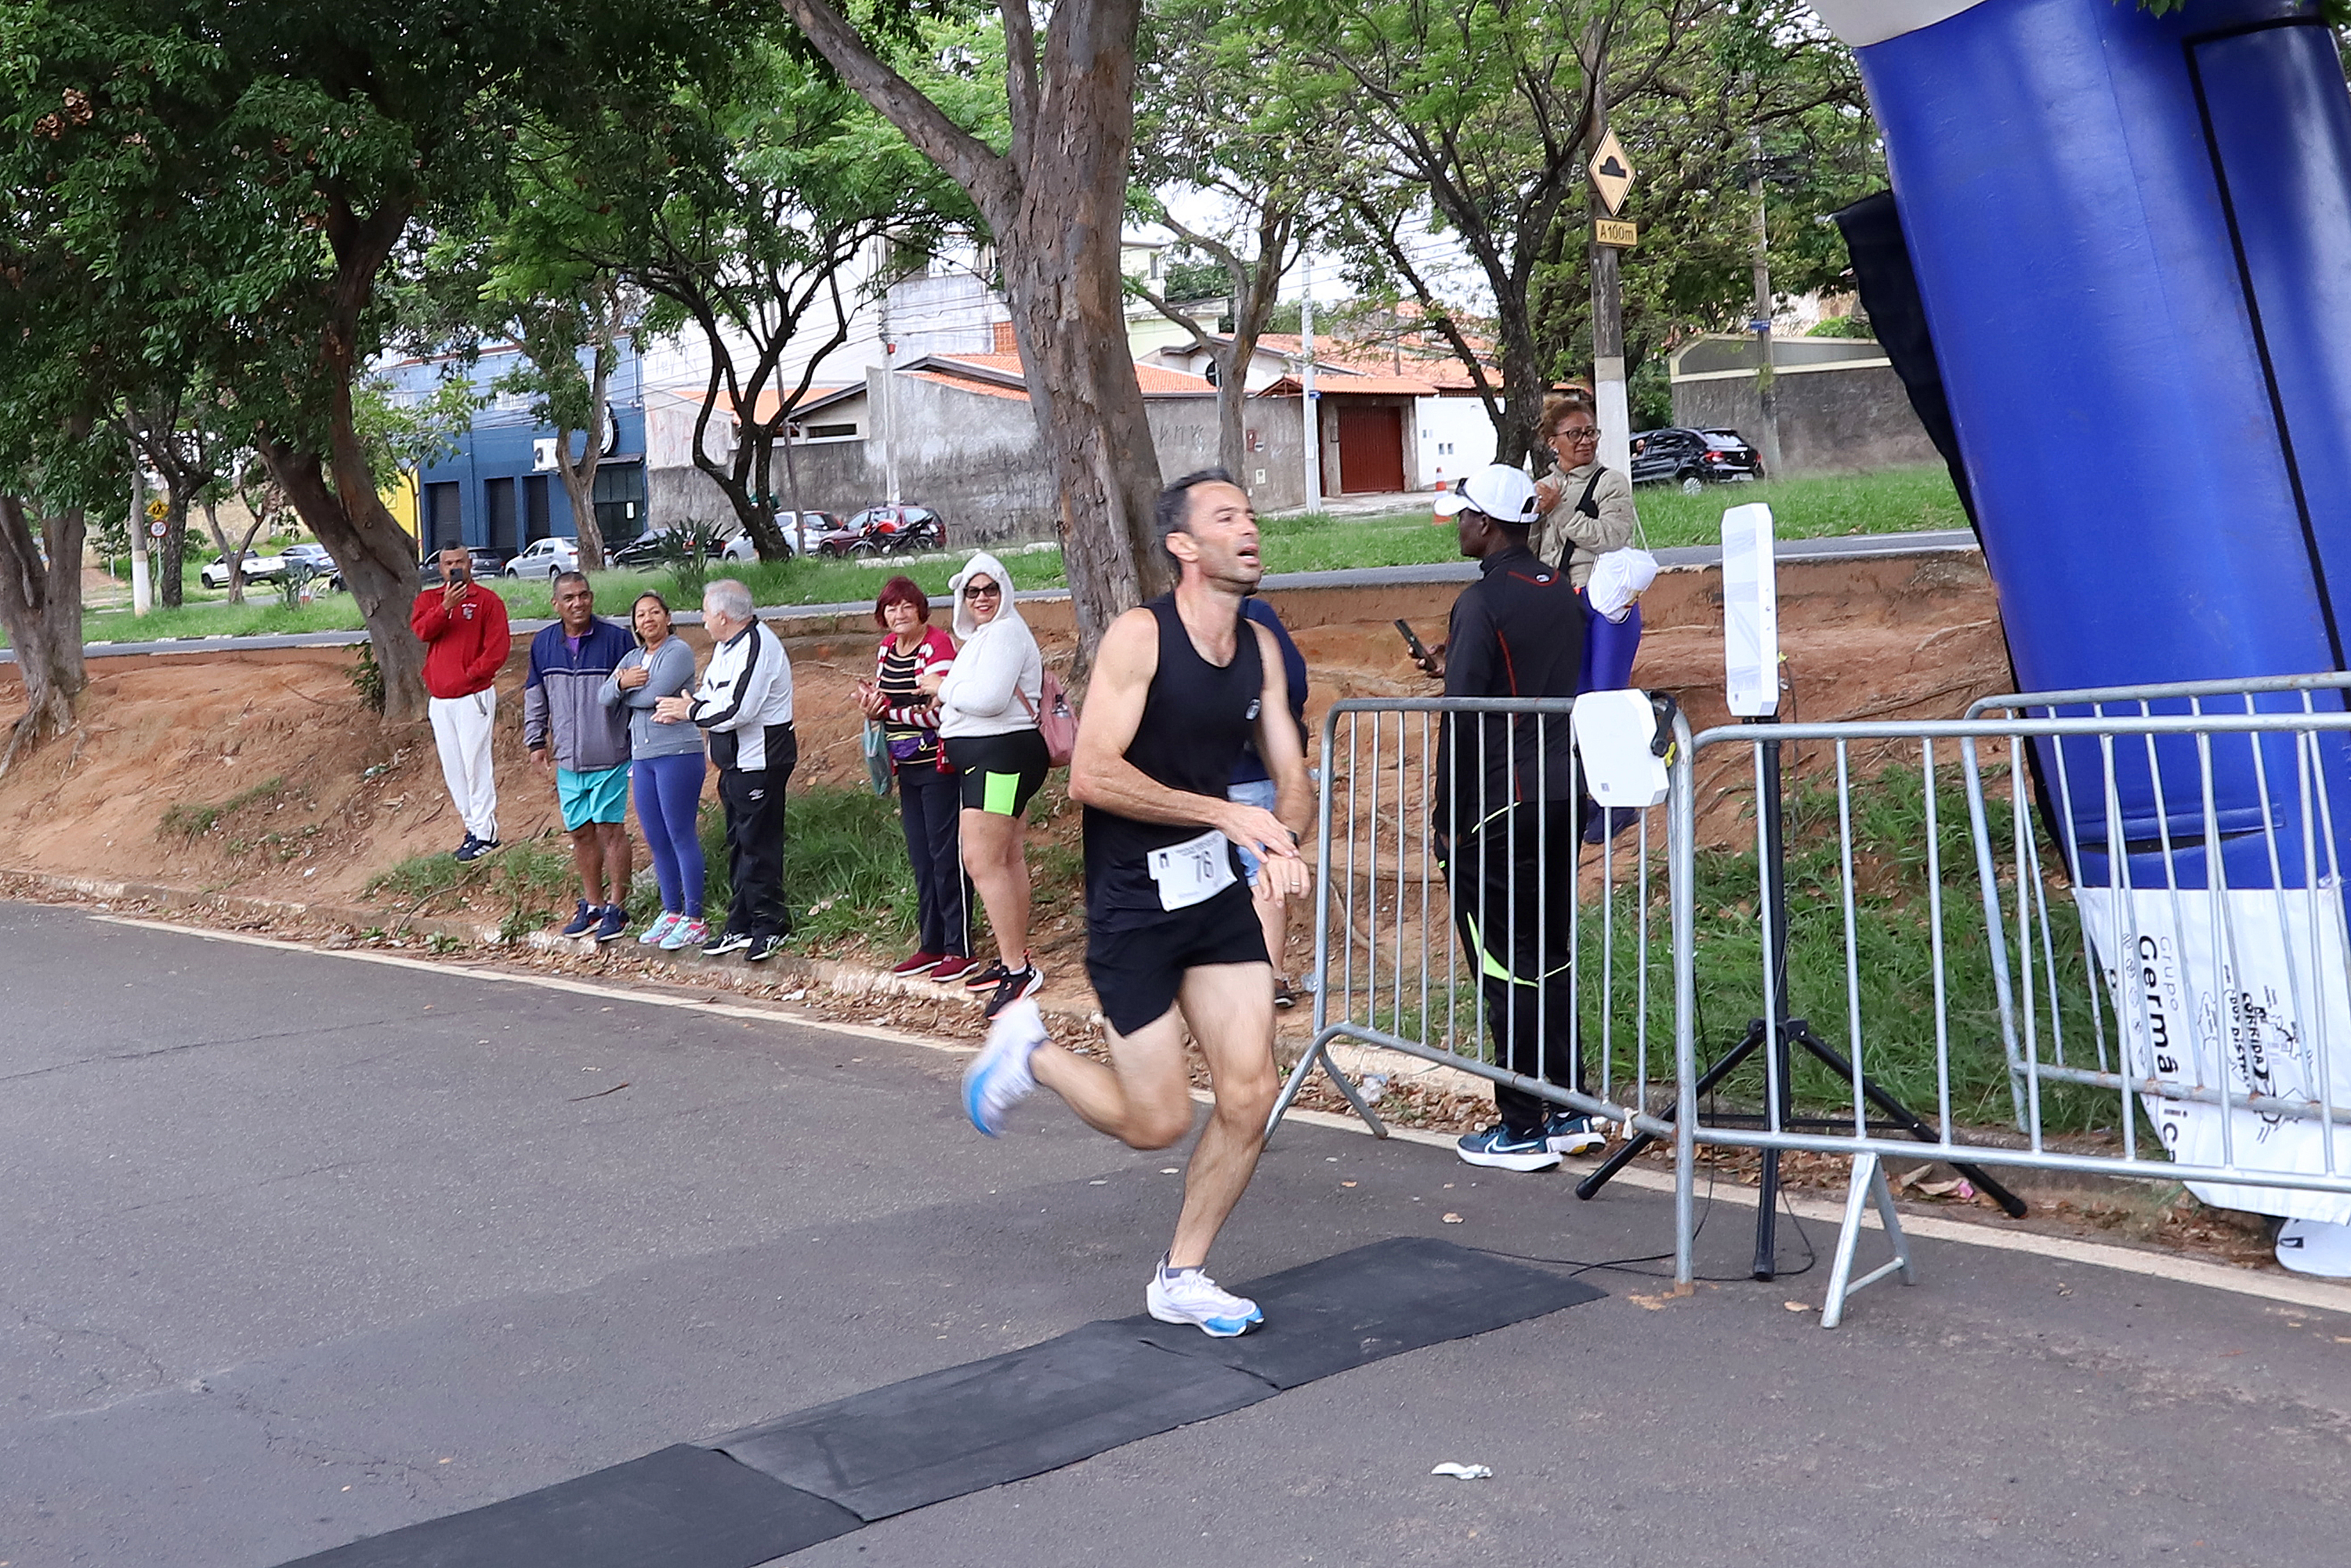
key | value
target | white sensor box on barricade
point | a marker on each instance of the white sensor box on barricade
(1750, 612)
(1615, 733)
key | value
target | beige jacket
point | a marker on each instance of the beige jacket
(1562, 525)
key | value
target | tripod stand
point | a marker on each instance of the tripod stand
(1791, 1032)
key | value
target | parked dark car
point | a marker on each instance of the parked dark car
(900, 530)
(1693, 458)
(486, 563)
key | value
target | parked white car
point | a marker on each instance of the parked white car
(257, 569)
(545, 558)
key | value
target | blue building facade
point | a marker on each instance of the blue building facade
(499, 490)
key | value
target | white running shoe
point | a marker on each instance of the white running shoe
(1191, 1297)
(670, 921)
(999, 1077)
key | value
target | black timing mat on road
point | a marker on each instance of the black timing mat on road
(1010, 1417)
(776, 1489)
(682, 1508)
(1376, 1302)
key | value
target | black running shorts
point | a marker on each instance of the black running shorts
(999, 773)
(1137, 969)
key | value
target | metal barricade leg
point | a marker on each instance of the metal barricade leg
(1318, 1054)
(1868, 1185)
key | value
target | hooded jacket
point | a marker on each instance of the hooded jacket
(998, 665)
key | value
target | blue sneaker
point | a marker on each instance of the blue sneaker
(612, 923)
(583, 919)
(1569, 1133)
(1189, 1296)
(999, 1077)
(1498, 1148)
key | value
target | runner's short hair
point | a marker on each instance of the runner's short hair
(730, 596)
(563, 577)
(1173, 512)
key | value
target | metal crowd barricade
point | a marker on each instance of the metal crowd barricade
(1396, 969)
(2143, 984)
(2101, 932)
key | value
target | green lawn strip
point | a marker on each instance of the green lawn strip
(1893, 500)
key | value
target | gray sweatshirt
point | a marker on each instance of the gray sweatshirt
(671, 666)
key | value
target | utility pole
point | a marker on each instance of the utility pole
(1765, 397)
(1615, 409)
(1312, 410)
(143, 582)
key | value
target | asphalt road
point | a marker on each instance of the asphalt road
(1856, 546)
(301, 1247)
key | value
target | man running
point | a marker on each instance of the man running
(1181, 685)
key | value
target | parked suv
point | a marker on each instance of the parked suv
(486, 563)
(1693, 458)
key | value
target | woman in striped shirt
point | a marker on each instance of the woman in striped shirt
(928, 793)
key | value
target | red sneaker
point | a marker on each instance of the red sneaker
(953, 966)
(916, 964)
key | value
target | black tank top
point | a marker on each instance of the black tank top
(1197, 718)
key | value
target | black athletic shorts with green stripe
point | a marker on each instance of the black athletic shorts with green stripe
(999, 772)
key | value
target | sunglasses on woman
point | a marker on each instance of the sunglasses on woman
(981, 590)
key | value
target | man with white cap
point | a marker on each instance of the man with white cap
(1505, 813)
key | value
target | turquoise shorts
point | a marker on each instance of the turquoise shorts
(599, 796)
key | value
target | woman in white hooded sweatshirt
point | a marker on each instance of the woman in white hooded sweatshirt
(989, 702)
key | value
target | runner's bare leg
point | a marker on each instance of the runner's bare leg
(1144, 1099)
(1230, 1009)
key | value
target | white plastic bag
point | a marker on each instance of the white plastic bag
(1618, 578)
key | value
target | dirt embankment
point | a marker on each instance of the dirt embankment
(259, 773)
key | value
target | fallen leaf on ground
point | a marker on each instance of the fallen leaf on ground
(1452, 1219)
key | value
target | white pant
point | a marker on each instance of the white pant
(461, 729)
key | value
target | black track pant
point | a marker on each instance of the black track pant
(1513, 879)
(754, 803)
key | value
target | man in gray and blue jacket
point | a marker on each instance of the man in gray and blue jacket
(566, 725)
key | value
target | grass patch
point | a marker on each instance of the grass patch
(191, 820)
(1892, 500)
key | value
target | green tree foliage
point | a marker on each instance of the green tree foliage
(1483, 115)
(1758, 88)
(247, 178)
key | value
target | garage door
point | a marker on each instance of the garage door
(1370, 449)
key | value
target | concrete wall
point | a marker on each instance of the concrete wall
(1829, 419)
(976, 458)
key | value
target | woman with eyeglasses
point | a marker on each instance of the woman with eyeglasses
(1587, 511)
(989, 701)
(928, 799)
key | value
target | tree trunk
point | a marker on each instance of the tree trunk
(40, 602)
(170, 583)
(1055, 204)
(372, 552)
(1070, 320)
(233, 555)
(579, 478)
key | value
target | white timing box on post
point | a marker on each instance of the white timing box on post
(1750, 612)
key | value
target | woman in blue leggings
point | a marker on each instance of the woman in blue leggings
(665, 768)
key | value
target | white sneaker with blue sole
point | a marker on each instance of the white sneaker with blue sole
(1189, 1296)
(999, 1077)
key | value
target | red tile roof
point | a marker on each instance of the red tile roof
(1353, 386)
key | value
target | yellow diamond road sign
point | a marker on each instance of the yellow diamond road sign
(1612, 173)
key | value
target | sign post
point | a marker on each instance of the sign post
(1611, 179)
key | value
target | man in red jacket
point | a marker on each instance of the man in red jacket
(464, 627)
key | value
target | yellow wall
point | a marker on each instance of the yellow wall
(399, 499)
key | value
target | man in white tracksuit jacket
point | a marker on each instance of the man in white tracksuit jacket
(744, 701)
